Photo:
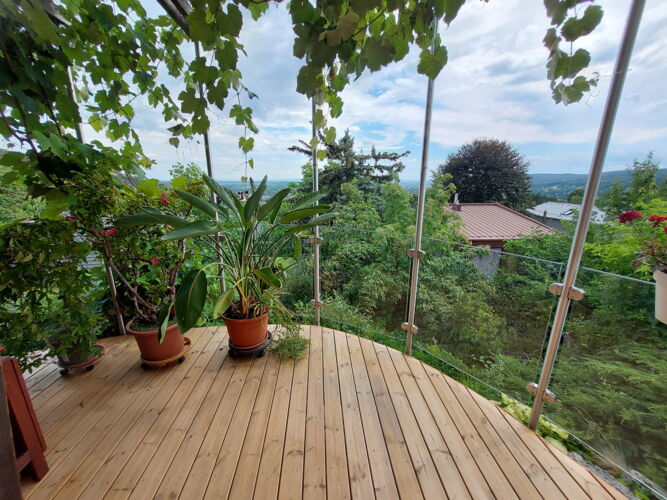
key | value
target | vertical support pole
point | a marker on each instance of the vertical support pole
(78, 129)
(316, 240)
(209, 171)
(416, 253)
(567, 290)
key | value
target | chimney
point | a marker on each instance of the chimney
(456, 206)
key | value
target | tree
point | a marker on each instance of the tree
(643, 188)
(489, 170)
(371, 171)
(576, 195)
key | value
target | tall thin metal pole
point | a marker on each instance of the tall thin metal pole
(209, 170)
(567, 290)
(416, 253)
(316, 240)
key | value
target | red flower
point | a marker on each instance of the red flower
(155, 260)
(165, 201)
(163, 194)
(104, 232)
(70, 219)
(629, 216)
(665, 229)
(657, 220)
(112, 231)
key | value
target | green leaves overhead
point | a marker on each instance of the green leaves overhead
(431, 64)
(564, 67)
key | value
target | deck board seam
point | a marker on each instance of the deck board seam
(495, 458)
(169, 378)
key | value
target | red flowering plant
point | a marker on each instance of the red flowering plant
(145, 267)
(652, 232)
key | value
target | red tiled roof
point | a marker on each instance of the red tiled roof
(493, 221)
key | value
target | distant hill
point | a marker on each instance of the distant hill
(560, 185)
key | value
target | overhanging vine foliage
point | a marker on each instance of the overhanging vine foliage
(116, 53)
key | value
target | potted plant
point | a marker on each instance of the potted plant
(47, 296)
(147, 269)
(251, 239)
(652, 232)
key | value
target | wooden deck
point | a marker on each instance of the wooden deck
(353, 419)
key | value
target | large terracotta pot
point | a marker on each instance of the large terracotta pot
(247, 333)
(660, 278)
(172, 345)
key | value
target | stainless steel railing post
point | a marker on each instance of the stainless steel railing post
(566, 290)
(416, 252)
(315, 240)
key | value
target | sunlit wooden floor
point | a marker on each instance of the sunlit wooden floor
(352, 419)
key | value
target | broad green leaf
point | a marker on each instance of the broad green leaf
(298, 248)
(253, 201)
(149, 187)
(192, 230)
(204, 205)
(431, 64)
(302, 213)
(190, 299)
(163, 217)
(309, 80)
(273, 202)
(308, 199)
(577, 27)
(136, 220)
(223, 303)
(225, 195)
(316, 221)
(163, 321)
(452, 9)
(268, 276)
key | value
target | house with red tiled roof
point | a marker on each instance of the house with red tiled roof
(492, 224)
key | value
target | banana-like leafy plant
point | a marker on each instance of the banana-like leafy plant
(251, 240)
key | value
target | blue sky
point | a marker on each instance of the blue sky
(494, 85)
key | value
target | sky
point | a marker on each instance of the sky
(494, 86)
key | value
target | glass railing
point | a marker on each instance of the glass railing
(610, 377)
(484, 317)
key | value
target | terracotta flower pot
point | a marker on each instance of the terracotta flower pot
(247, 333)
(172, 345)
(660, 278)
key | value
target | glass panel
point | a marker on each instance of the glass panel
(485, 313)
(611, 375)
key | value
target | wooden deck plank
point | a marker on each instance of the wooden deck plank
(198, 377)
(384, 481)
(421, 456)
(494, 476)
(352, 419)
(121, 410)
(200, 472)
(268, 476)
(542, 481)
(522, 485)
(338, 484)
(315, 476)
(135, 465)
(442, 458)
(291, 475)
(228, 456)
(407, 483)
(361, 479)
(179, 470)
(473, 477)
(243, 484)
(551, 465)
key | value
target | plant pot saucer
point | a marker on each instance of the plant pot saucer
(89, 364)
(145, 363)
(259, 349)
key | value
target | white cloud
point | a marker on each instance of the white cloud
(493, 86)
